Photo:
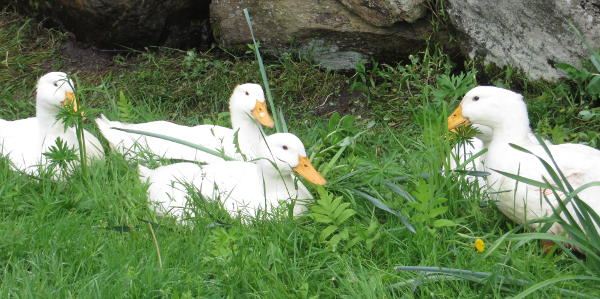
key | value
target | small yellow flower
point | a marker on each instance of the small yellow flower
(479, 245)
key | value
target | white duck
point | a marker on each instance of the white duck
(462, 152)
(505, 113)
(247, 106)
(24, 141)
(242, 187)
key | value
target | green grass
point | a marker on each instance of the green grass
(72, 239)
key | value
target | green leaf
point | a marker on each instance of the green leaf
(336, 239)
(594, 86)
(339, 209)
(327, 232)
(437, 211)
(595, 59)
(370, 242)
(378, 203)
(345, 215)
(355, 241)
(319, 209)
(396, 189)
(321, 219)
(443, 223)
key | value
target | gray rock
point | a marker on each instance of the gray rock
(531, 35)
(329, 55)
(136, 24)
(291, 23)
(386, 12)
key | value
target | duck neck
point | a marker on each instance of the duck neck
(249, 134)
(280, 182)
(46, 117)
(513, 129)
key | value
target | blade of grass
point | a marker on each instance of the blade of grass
(180, 141)
(400, 191)
(470, 159)
(462, 273)
(278, 116)
(554, 280)
(378, 203)
(524, 179)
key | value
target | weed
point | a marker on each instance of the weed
(60, 156)
(337, 215)
(428, 208)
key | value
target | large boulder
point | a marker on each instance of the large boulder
(531, 35)
(115, 23)
(386, 12)
(335, 33)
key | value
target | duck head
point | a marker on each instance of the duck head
(489, 106)
(249, 99)
(289, 155)
(55, 89)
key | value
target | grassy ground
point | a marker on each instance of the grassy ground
(71, 239)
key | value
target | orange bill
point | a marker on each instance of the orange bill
(307, 171)
(261, 114)
(70, 99)
(456, 119)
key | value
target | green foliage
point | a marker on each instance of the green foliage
(364, 79)
(337, 215)
(198, 66)
(428, 208)
(125, 108)
(340, 133)
(60, 156)
(454, 87)
(333, 213)
(72, 115)
(588, 83)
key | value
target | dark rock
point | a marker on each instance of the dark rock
(125, 23)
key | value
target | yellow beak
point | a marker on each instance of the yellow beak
(262, 115)
(307, 171)
(456, 119)
(70, 99)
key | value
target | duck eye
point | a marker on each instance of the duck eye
(55, 84)
(285, 147)
(475, 98)
(247, 93)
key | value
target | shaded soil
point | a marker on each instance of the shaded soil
(86, 60)
(344, 103)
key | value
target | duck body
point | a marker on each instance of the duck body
(481, 141)
(579, 163)
(247, 108)
(505, 112)
(243, 188)
(24, 141)
(214, 137)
